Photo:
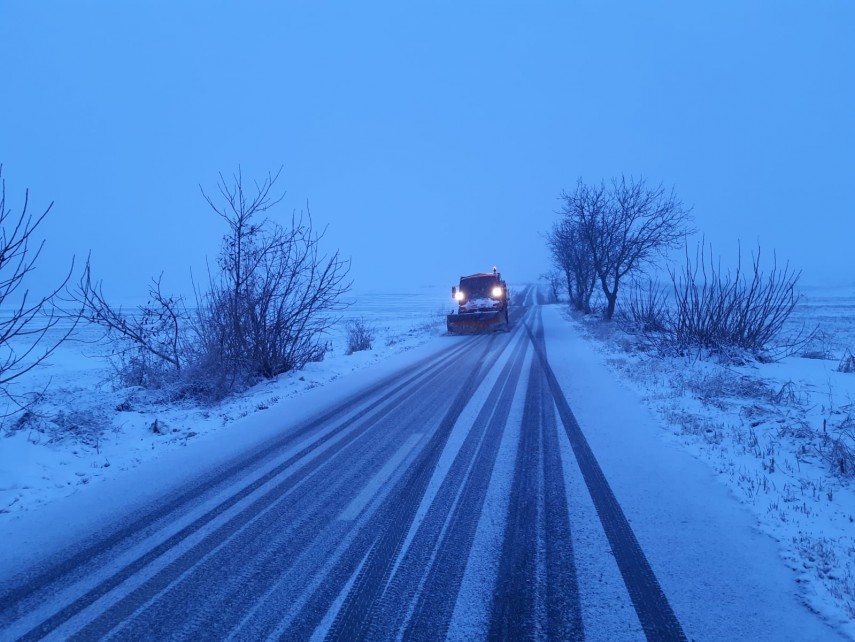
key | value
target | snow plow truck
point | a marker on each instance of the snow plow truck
(482, 304)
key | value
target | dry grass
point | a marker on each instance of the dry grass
(847, 363)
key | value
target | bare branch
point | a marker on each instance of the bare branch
(31, 328)
(154, 331)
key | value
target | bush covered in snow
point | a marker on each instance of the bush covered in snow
(263, 312)
(360, 336)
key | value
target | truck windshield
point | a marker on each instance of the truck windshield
(479, 288)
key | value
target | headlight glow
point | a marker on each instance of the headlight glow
(459, 295)
(497, 292)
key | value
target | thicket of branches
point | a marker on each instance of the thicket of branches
(360, 336)
(30, 329)
(149, 344)
(717, 308)
(648, 307)
(263, 310)
(607, 234)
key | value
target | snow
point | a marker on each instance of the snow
(607, 611)
(480, 304)
(674, 437)
(110, 461)
(758, 429)
(470, 618)
(354, 508)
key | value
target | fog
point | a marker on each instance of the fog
(429, 139)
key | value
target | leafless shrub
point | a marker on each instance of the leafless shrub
(275, 295)
(148, 344)
(717, 310)
(360, 336)
(847, 363)
(27, 322)
(839, 451)
(647, 307)
(264, 310)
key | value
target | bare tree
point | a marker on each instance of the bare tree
(553, 279)
(30, 328)
(628, 228)
(569, 245)
(275, 294)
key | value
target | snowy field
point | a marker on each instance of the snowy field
(781, 435)
(86, 430)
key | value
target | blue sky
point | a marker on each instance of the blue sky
(432, 138)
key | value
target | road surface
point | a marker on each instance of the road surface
(445, 502)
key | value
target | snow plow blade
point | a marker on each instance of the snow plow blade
(476, 322)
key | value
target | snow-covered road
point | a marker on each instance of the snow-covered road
(456, 498)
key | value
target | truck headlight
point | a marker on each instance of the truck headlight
(459, 295)
(497, 292)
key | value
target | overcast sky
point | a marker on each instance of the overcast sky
(433, 138)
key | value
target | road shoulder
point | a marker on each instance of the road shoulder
(723, 578)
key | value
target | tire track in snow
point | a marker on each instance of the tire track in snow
(391, 525)
(654, 611)
(17, 599)
(437, 558)
(537, 591)
(246, 561)
(327, 537)
(561, 592)
(219, 557)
